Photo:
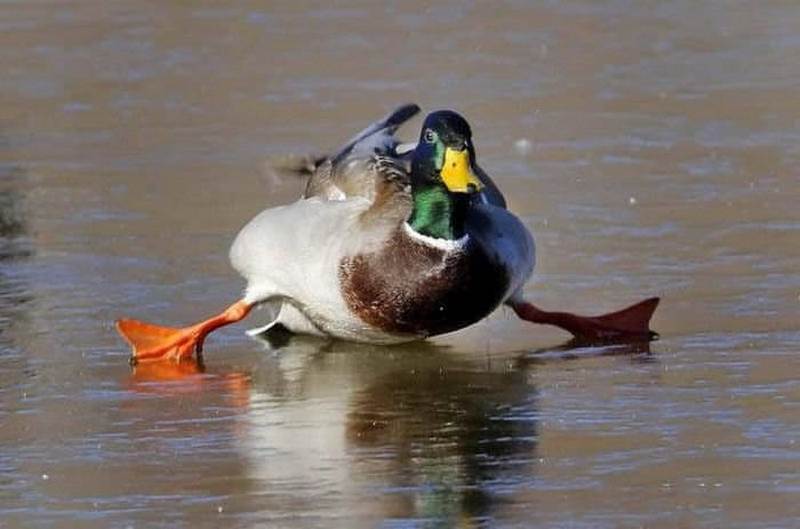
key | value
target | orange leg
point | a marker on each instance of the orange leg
(152, 343)
(631, 323)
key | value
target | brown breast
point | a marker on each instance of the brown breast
(410, 287)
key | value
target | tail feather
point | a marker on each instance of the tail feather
(283, 167)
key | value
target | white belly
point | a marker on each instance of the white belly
(291, 254)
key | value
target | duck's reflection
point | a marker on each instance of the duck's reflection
(421, 432)
(445, 441)
(364, 433)
(190, 376)
(415, 432)
(637, 351)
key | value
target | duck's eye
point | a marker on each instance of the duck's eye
(430, 136)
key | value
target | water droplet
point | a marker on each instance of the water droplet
(523, 146)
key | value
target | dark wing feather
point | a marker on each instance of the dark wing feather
(379, 135)
(490, 194)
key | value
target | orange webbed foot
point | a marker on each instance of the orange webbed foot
(629, 324)
(153, 343)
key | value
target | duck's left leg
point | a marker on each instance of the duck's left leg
(628, 324)
(151, 343)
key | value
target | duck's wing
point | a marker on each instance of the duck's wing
(365, 163)
(379, 136)
(490, 194)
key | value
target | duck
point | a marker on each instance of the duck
(390, 242)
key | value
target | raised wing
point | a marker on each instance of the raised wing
(366, 162)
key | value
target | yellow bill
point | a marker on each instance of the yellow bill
(457, 172)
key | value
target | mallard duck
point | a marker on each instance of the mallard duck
(389, 243)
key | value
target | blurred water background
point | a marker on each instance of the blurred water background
(652, 147)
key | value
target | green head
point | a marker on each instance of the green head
(442, 176)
